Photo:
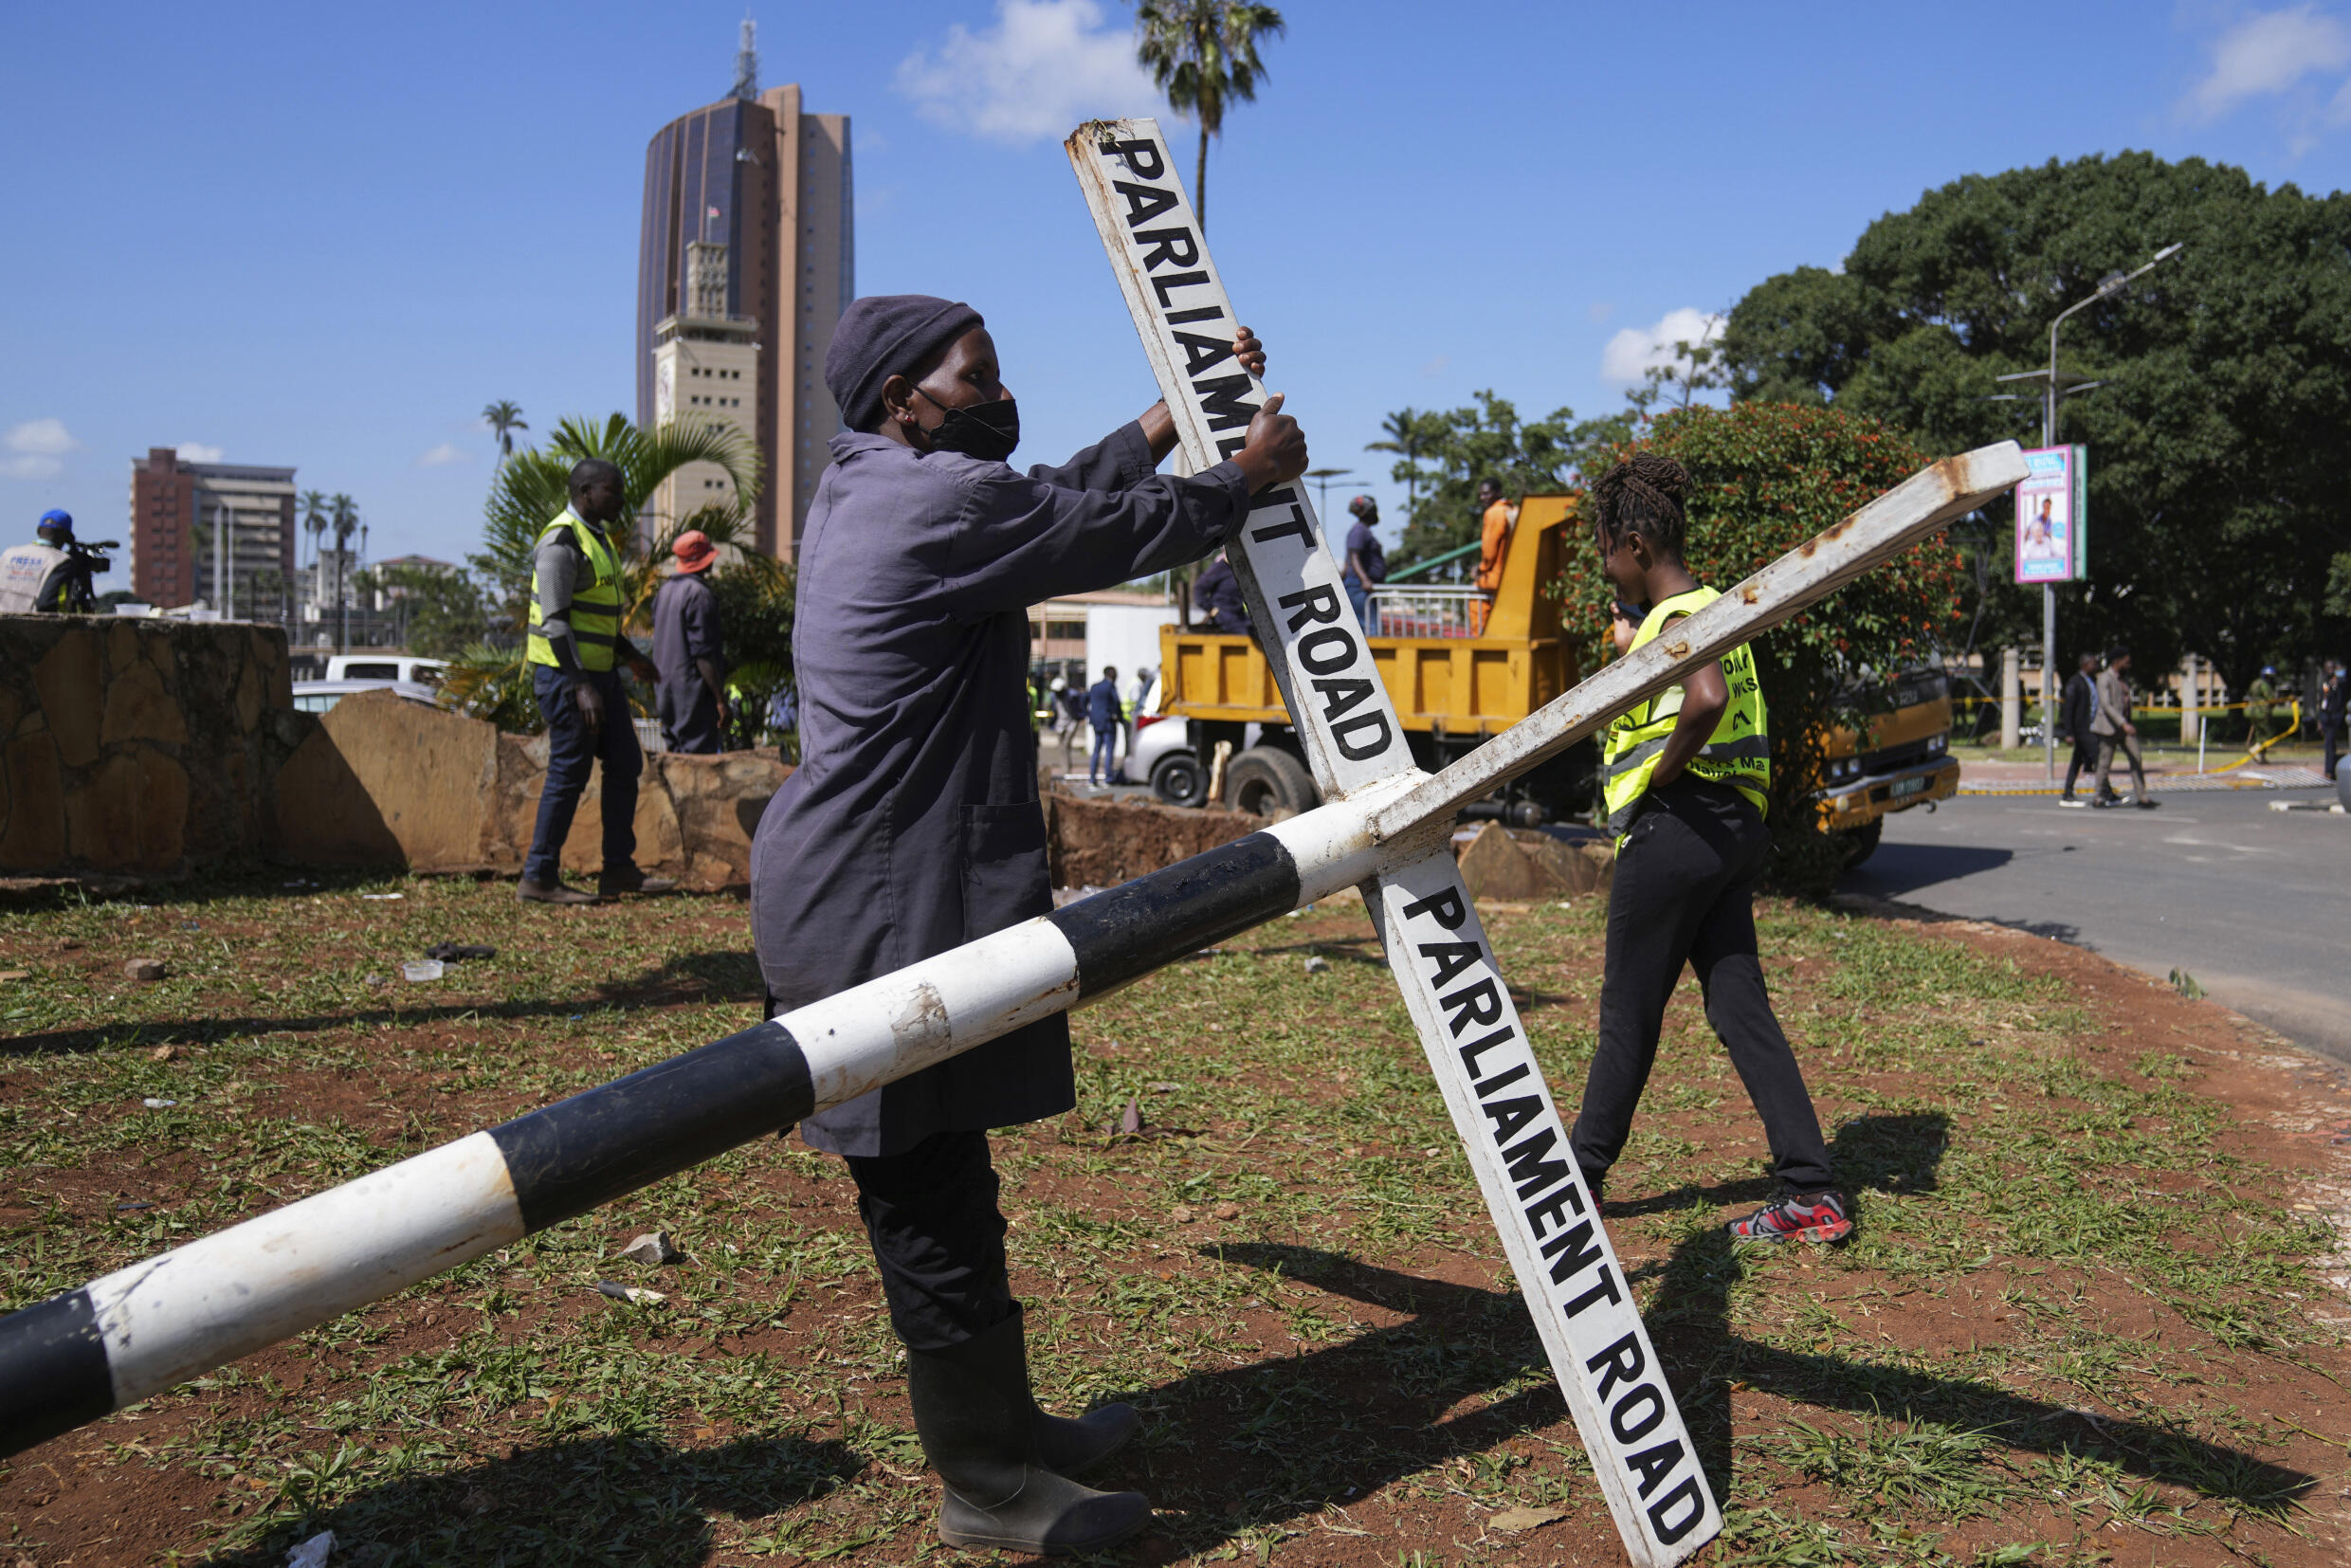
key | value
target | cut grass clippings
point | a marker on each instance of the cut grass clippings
(2079, 1324)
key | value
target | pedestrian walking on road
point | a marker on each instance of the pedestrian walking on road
(572, 645)
(2261, 712)
(1109, 716)
(1687, 777)
(691, 699)
(2334, 694)
(912, 826)
(2078, 711)
(2116, 732)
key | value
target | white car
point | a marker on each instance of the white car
(379, 666)
(318, 696)
(1164, 756)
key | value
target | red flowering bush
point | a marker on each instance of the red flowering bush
(1765, 477)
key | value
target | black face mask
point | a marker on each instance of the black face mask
(988, 431)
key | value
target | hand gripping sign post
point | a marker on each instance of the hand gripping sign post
(1549, 1223)
(154, 1324)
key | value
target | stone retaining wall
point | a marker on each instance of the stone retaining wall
(384, 781)
(148, 747)
(138, 746)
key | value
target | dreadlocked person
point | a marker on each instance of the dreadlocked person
(1688, 774)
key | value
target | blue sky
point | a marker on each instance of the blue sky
(328, 235)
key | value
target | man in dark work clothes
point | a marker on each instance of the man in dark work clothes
(912, 826)
(1217, 597)
(691, 698)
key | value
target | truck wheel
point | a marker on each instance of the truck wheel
(1269, 781)
(1861, 843)
(1178, 779)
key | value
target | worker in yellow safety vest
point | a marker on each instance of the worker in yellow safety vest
(574, 646)
(1687, 778)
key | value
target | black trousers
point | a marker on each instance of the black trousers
(1685, 893)
(937, 1236)
(2331, 738)
(2085, 760)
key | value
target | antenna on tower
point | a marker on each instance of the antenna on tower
(747, 62)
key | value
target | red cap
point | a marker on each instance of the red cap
(694, 551)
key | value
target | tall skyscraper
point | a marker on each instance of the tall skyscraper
(746, 262)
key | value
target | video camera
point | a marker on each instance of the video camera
(85, 562)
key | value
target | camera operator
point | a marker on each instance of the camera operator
(52, 573)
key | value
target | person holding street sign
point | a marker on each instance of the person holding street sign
(912, 826)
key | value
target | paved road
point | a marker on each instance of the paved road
(2255, 903)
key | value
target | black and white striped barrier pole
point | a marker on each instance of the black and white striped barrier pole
(1348, 728)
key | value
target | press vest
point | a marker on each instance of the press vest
(1740, 752)
(595, 604)
(25, 571)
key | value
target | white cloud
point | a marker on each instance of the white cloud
(2269, 54)
(443, 455)
(36, 449)
(1043, 69)
(196, 451)
(1639, 349)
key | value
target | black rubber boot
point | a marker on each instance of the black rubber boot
(1073, 1447)
(980, 1428)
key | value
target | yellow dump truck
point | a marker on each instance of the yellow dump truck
(1460, 669)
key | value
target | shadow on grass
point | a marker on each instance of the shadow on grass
(585, 1501)
(700, 977)
(1274, 1441)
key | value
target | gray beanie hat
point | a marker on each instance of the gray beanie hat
(886, 334)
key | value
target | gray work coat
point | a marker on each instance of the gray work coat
(685, 628)
(911, 824)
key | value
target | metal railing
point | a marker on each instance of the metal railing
(1446, 611)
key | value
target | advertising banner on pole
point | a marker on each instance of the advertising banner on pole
(2053, 516)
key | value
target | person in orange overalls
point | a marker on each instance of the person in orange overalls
(1501, 517)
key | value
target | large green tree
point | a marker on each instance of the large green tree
(1764, 478)
(2217, 453)
(1441, 456)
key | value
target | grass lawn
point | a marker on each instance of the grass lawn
(2086, 1319)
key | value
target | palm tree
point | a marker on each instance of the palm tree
(314, 517)
(343, 516)
(535, 487)
(1203, 55)
(503, 417)
(1408, 437)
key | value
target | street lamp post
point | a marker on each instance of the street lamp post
(2052, 391)
(1322, 478)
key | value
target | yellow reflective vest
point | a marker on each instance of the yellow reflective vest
(1738, 754)
(595, 601)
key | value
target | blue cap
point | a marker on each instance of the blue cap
(53, 518)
